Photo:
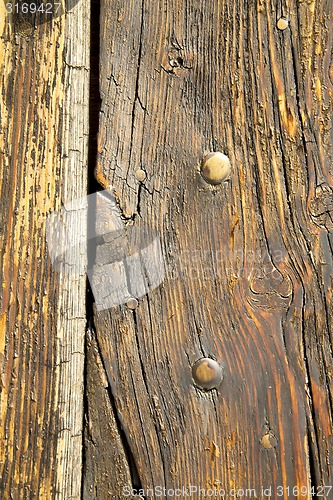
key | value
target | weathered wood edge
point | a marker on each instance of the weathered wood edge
(43, 143)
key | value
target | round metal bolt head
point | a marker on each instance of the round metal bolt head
(132, 303)
(207, 373)
(140, 175)
(282, 23)
(215, 168)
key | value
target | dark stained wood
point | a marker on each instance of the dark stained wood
(248, 263)
(43, 164)
(106, 467)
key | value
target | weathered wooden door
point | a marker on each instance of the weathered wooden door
(215, 379)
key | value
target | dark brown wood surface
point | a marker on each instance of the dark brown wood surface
(248, 263)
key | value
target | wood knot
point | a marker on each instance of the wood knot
(270, 289)
(321, 207)
(269, 441)
(174, 60)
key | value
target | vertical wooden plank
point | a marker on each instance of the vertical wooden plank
(43, 155)
(104, 447)
(248, 263)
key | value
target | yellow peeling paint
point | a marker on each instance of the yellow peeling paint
(318, 89)
(3, 16)
(287, 116)
(3, 319)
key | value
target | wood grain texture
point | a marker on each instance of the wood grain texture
(43, 155)
(107, 470)
(248, 263)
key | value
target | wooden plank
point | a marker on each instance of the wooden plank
(43, 154)
(104, 447)
(248, 262)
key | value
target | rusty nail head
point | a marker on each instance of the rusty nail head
(282, 23)
(207, 373)
(132, 303)
(215, 167)
(140, 175)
